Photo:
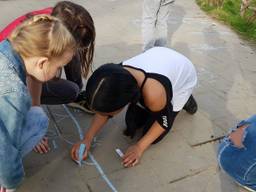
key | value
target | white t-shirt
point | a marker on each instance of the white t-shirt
(176, 67)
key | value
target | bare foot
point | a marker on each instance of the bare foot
(43, 146)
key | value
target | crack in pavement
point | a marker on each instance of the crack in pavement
(190, 175)
(208, 141)
(89, 187)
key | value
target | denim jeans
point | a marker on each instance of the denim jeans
(34, 130)
(240, 162)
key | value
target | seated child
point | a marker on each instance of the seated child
(155, 85)
(38, 48)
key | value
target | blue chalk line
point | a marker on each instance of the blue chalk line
(54, 144)
(98, 167)
(80, 132)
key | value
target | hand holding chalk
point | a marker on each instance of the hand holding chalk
(82, 149)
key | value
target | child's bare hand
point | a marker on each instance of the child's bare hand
(75, 149)
(132, 156)
(43, 146)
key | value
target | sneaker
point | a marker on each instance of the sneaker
(80, 103)
(191, 105)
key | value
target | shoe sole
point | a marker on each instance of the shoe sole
(76, 106)
(246, 188)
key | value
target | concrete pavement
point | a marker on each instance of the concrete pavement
(185, 161)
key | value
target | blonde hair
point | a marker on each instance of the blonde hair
(42, 35)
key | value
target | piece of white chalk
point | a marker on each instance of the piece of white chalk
(120, 153)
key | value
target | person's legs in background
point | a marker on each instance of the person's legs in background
(149, 17)
(161, 31)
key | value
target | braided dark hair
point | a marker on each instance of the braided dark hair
(110, 88)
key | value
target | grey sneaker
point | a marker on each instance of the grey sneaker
(80, 103)
(82, 106)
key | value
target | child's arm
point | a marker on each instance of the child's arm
(97, 123)
(159, 103)
(133, 154)
(35, 89)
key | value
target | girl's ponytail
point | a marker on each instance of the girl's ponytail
(42, 35)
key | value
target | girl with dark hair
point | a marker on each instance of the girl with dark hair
(155, 85)
(60, 91)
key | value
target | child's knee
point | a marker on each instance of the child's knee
(252, 119)
(72, 92)
(237, 137)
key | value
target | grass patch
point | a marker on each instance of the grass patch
(229, 13)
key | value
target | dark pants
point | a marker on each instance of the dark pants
(137, 117)
(62, 91)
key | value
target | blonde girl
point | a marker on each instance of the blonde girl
(36, 49)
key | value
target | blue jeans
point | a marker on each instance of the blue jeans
(34, 130)
(240, 163)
